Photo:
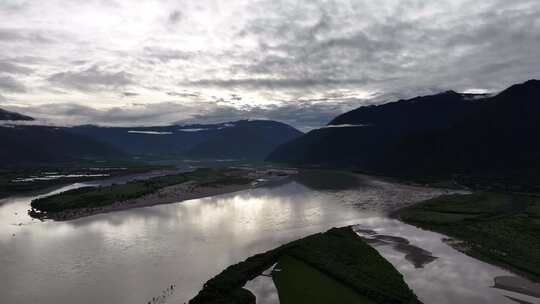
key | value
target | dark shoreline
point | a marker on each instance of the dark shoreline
(146, 201)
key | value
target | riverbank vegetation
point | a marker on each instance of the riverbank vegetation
(95, 197)
(499, 228)
(298, 282)
(338, 255)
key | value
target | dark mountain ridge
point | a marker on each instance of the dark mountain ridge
(441, 135)
(7, 115)
(245, 139)
(28, 145)
(435, 111)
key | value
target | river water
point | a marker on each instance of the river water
(163, 254)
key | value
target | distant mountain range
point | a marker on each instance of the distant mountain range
(245, 139)
(7, 115)
(439, 135)
(28, 145)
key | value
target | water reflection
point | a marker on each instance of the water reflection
(263, 288)
(450, 278)
(130, 256)
(417, 256)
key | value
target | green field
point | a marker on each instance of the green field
(332, 267)
(500, 228)
(298, 282)
(91, 197)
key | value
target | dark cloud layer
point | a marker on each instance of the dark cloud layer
(90, 79)
(8, 67)
(304, 115)
(257, 83)
(175, 16)
(11, 85)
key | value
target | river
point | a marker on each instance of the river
(136, 255)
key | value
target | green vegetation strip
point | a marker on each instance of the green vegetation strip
(338, 254)
(298, 282)
(91, 197)
(502, 229)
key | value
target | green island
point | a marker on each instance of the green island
(90, 200)
(332, 267)
(498, 228)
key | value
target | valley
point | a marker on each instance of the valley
(376, 207)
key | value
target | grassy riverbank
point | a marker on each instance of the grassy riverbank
(357, 272)
(499, 228)
(98, 197)
(298, 282)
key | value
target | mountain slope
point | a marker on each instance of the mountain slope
(499, 138)
(246, 139)
(437, 135)
(358, 136)
(7, 115)
(23, 145)
(403, 116)
(150, 141)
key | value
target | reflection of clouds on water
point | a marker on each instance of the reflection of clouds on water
(263, 288)
(165, 294)
(125, 256)
(416, 255)
(451, 278)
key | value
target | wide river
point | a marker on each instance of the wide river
(134, 256)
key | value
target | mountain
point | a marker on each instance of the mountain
(249, 139)
(7, 115)
(438, 135)
(148, 141)
(27, 145)
(358, 136)
(245, 139)
(500, 138)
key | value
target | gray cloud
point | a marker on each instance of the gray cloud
(256, 83)
(23, 35)
(13, 6)
(175, 16)
(267, 58)
(183, 94)
(13, 68)
(10, 84)
(75, 114)
(305, 115)
(395, 50)
(165, 55)
(91, 79)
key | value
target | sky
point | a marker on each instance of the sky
(125, 62)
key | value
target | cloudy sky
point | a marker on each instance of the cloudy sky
(120, 62)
